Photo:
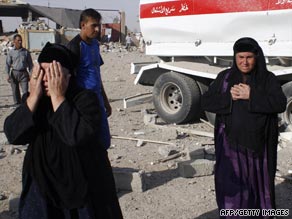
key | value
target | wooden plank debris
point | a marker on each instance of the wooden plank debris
(141, 140)
(207, 123)
(137, 100)
(171, 157)
(184, 130)
(283, 177)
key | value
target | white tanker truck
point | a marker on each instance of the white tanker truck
(194, 39)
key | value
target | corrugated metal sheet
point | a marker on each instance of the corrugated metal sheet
(62, 16)
(70, 17)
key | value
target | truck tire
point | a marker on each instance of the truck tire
(176, 98)
(286, 117)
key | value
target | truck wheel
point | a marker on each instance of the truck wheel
(176, 98)
(286, 117)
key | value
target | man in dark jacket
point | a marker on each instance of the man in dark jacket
(85, 47)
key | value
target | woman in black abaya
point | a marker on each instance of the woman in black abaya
(246, 100)
(66, 171)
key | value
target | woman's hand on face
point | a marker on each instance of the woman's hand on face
(58, 81)
(35, 82)
(35, 87)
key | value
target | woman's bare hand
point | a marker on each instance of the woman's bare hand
(35, 87)
(240, 92)
(58, 81)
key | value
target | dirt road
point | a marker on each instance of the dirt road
(167, 195)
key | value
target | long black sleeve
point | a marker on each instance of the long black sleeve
(74, 121)
(19, 126)
(214, 100)
(269, 99)
(77, 120)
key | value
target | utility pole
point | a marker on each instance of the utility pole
(48, 18)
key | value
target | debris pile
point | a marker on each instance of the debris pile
(116, 47)
(5, 45)
(34, 25)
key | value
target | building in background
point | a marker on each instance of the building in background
(35, 33)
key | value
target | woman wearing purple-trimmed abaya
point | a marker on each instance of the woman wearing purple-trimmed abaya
(246, 99)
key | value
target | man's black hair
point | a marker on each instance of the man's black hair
(90, 12)
(17, 35)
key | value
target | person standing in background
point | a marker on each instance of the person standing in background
(128, 41)
(18, 65)
(85, 47)
(109, 36)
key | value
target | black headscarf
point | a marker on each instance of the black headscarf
(242, 122)
(247, 44)
(59, 53)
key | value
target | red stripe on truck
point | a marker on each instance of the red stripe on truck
(199, 7)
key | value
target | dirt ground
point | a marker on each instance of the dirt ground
(167, 195)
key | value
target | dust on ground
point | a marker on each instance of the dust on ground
(167, 195)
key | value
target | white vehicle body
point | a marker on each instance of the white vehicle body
(194, 38)
(210, 27)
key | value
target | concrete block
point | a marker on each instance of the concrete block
(209, 153)
(199, 167)
(210, 156)
(195, 152)
(128, 179)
